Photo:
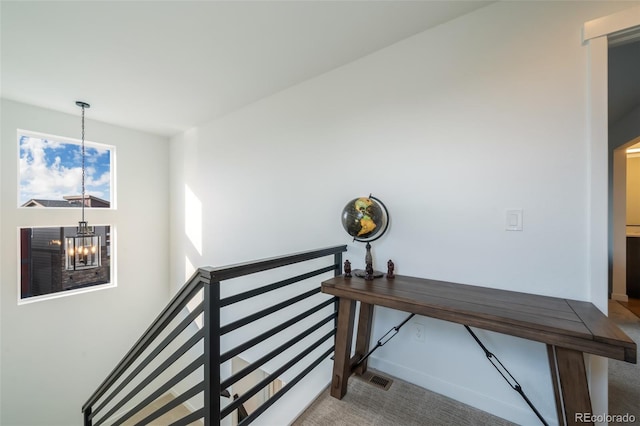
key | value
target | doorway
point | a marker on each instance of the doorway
(597, 35)
(624, 135)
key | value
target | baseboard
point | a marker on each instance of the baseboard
(621, 297)
(467, 396)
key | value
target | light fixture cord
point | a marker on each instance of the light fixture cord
(83, 163)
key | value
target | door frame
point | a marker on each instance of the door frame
(596, 35)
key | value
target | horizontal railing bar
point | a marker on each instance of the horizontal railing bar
(180, 399)
(198, 414)
(180, 300)
(264, 336)
(165, 342)
(240, 269)
(193, 366)
(286, 388)
(159, 369)
(277, 351)
(263, 313)
(264, 289)
(264, 382)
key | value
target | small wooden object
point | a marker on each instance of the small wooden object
(369, 272)
(347, 269)
(390, 269)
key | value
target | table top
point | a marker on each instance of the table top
(561, 322)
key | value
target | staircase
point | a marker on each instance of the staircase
(270, 312)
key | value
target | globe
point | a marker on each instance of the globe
(365, 218)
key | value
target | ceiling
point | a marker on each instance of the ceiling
(165, 66)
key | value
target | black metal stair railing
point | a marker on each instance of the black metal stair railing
(174, 369)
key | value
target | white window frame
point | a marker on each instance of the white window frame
(67, 140)
(69, 220)
(65, 293)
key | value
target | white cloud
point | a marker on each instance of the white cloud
(53, 181)
(104, 179)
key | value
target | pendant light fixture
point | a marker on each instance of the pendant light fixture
(83, 249)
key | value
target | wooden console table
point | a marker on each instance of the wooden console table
(569, 328)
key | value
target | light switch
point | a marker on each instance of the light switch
(514, 220)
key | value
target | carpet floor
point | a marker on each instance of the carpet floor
(405, 404)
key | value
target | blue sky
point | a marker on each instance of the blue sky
(51, 168)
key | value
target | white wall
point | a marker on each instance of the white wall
(621, 135)
(633, 190)
(618, 226)
(449, 128)
(55, 353)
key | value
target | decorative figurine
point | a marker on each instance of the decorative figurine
(369, 272)
(347, 269)
(390, 268)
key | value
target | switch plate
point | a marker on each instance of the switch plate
(514, 220)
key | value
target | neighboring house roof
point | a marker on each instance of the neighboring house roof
(50, 203)
(69, 201)
(90, 200)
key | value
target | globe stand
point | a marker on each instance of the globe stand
(366, 219)
(369, 273)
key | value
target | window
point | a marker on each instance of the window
(58, 259)
(51, 172)
(44, 269)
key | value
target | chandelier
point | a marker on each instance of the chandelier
(83, 249)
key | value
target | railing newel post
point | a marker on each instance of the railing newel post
(211, 292)
(337, 258)
(87, 414)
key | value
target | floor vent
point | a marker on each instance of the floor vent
(378, 380)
